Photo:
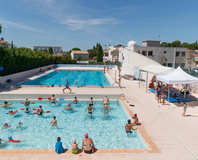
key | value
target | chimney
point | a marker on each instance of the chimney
(2, 39)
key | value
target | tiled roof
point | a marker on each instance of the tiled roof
(80, 52)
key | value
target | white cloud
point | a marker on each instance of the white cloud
(81, 24)
(7, 23)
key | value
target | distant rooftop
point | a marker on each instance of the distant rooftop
(79, 52)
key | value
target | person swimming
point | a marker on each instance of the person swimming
(6, 104)
(54, 121)
(129, 127)
(27, 110)
(68, 107)
(19, 125)
(11, 112)
(90, 108)
(53, 99)
(106, 107)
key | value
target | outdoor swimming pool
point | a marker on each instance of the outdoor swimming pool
(74, 77)
(106, 132)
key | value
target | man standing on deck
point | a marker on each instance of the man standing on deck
(67, 86)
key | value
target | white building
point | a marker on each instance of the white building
(75, 54)
(168, 56)
(2, 42)
(55, 48)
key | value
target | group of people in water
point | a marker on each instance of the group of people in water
(87, 143)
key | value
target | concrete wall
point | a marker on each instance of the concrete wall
(22, 74)
(160, 53)
(82, 65)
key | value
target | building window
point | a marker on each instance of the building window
(177, 54)
(150, 53)
(164, 52)
(144, 53)
(183, 54)
(170, 64)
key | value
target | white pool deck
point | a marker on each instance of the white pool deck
(175, 136)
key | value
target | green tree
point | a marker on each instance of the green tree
(176, 43)
(99, 52)
(164, 44)
(0, 28)
(92, 53)
(50, 50)
(185, 45)
(119, 45)
(169, 45)
(79, 58)
(76, 49)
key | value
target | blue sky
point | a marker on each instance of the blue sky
(83, 23)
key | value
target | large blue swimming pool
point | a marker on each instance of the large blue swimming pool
(106, 132)
(74, 77)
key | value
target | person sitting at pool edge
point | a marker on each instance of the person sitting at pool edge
(66, 86)
(75, 101)
(90, 109)
(105, 99)
(54, 121)
(53, 99)
(106, 108)
(15, 141)
(135, 122)
(88, 145)
(129, 127)
(27, 102)
(40, 110)
(11, 112)
(91, 101)
(74, 147)
(59, 146)
(6, 104)
(68, 107)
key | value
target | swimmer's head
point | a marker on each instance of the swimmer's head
(91, 97)
(11, 110)
(74, 140)
(86, 135)
(54, 117)
(135, 115)
(27, 109)
(68, 104)
(6, 124)
(6, 102)
(66, 80)
(26, 99)
(20, 123)
(129, 121)
(52, 95)
(10, 137)
(75, 97)
(59, 138)
(40, 106)
(89, 104)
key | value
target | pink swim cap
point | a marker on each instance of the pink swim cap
(68, 104)
(86, 135)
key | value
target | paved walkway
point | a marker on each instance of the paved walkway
(174, 136)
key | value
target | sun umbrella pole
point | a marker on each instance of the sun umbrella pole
(168, 92)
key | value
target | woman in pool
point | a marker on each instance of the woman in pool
(40, 111)
(53, 99)
(88, 144)
(6, 104)
(91, 101)
(27, 102)
(11, 112)
(68, 107)
(75, 101)
(74, 147)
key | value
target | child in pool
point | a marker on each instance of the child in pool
(6, 125)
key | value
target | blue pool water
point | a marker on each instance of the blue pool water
(106, 132)
(74, 77)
